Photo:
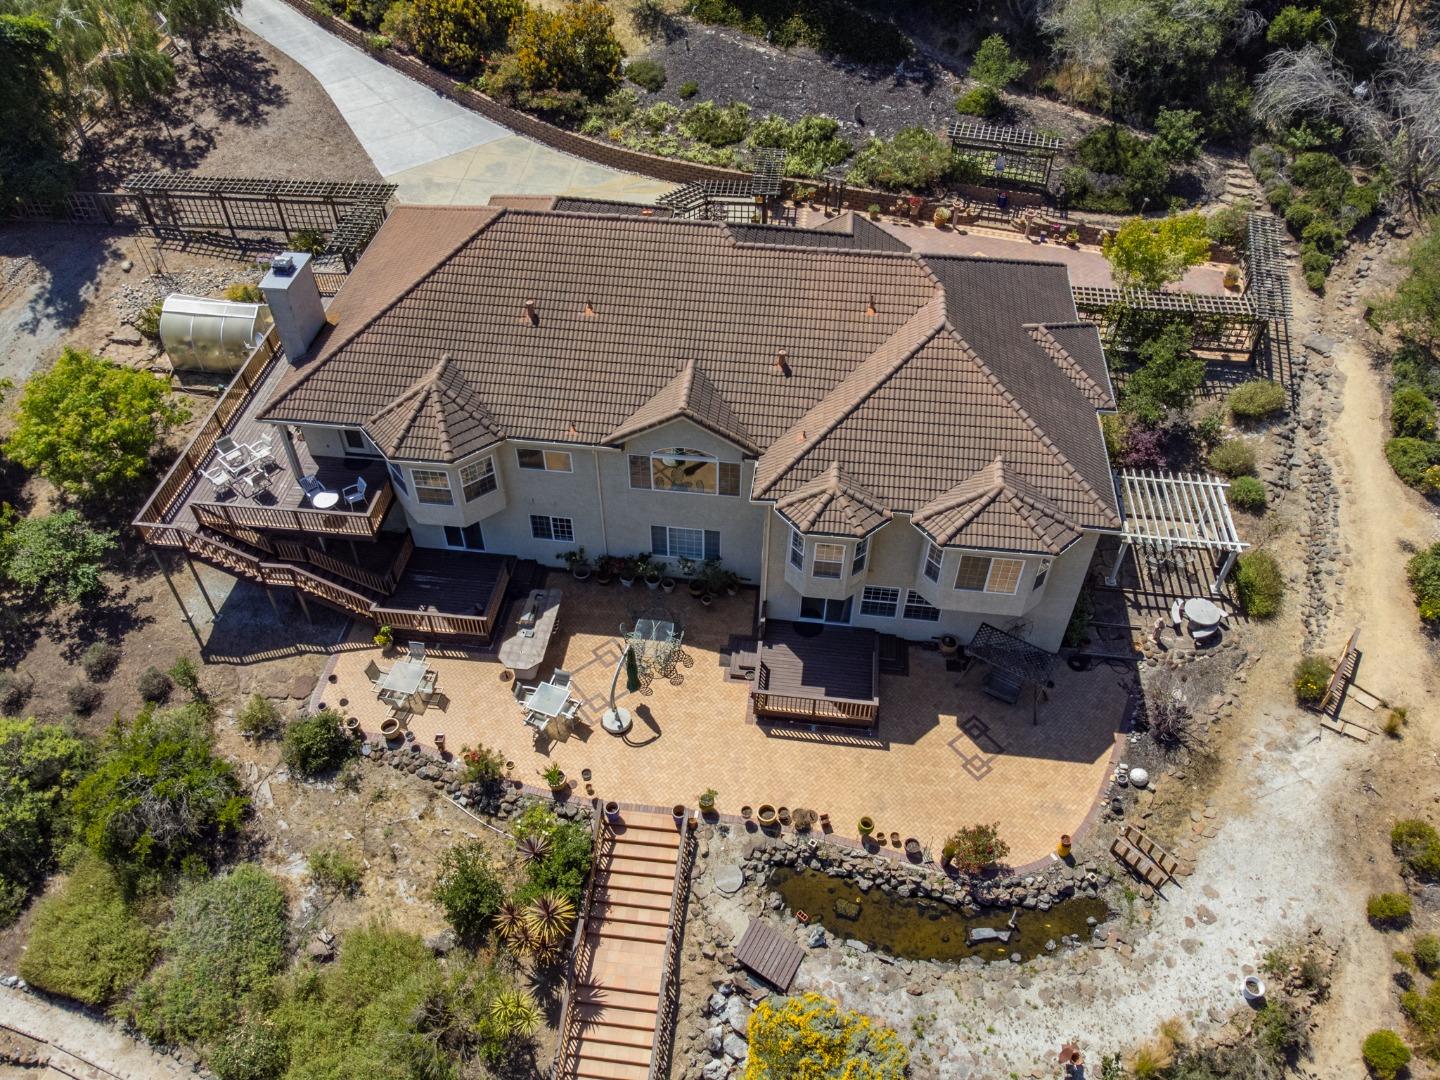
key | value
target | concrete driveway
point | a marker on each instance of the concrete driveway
(433, 149)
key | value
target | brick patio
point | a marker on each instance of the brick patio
(944, 754)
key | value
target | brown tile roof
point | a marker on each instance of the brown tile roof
(439, 418)
(831, 505)
(849, 232)
(995, 509)
(1076, 349)
(692, 396)
(912, 372)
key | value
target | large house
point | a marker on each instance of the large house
(874, 438)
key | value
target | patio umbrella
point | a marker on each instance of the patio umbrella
(632, 671)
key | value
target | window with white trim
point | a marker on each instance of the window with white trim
(829, 561)
(880, 601)
(797, 550)
(478, 478)
(468, 537)
(675, 542)
(559, 529)
(432, 486)
(920, 609)
(821, 609)
(980, 573)
(691, 471)
(1041, 575)
(862, 552)
(542, 460)
(933, 555)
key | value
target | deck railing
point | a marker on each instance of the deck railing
(602, 843)
(668, 1008)
(327, 522)
(816, 710)
(438, 622)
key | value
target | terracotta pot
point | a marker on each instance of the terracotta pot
(560, 784)
(766, 816)
(390, 728)
(745, 812)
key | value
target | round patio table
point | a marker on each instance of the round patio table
(324, 500)
(1202, 612)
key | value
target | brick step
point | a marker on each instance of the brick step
(593, 1046)
(648, 884)
(647, 840)
(618, 1003)
(608, 912)
(625, 973)
(634, 1035)
(648, 824)
(609, 1070)
(641, 867)
(656, 900)
(629, 931)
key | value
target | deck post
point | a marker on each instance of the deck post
(270, 595)
(305, 607)
(287, 444)
(1225, 567)
(203, 591)
(1114, 575)
(185, 611)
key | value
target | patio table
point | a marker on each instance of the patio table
(547, 703)
(1202, 612)
(404, 679)
(324, 500)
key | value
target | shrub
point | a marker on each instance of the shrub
(39, 764)
(1312, 679)
(810, 1035)
(1418, 846)
(84, 697)
(1298, 215)
(15, 691)
(646, 73)
(159, 800)
(186, 675)
(1412, 414)
(1248, 493)
(915, 159)
(1388, 911)
(1394, 721)
(55, 558)
(147, 320)
(100, 660)
(244, 294)
(334, 871)
(569, 50)
(84, 941)
(1259, 584)
(1411, 457)
(1167, 379)
(1315, 281)
(455, 34)
(226, 940)
(88, 425)
(482, 764)
(1427, 953)
(716, 125)
(316, 744)
(566, 863)
(1423, 1011)
(468, 889)
(12, 901)
(1385, 1054)
(688, 89)
(1151, 253)
(1233, 457)
(812, 144)
(980, 101)
(1314, 261)
(259, 718)
(1281, 1030)
(1256, 399)
(994, 65)
(252, 1051)
(975, 848)
(1279, 195)
(154, 686)
(1228, 226)
(308, 241)
(1177, 136)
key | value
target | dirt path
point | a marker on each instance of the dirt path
(79, 1046)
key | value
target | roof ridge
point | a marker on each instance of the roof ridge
(1061, 357)
(316, 363)
(685, 384)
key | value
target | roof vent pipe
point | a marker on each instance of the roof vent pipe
(782, 363)
(532, 312)
(589, 310)
(870, 307)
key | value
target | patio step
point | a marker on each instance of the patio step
(604, 1031)
(649, 884)
(625, 1007)
(629, 931)
(610, 911)
(642, 867)
(614, 893)
(595, 1048)
(589, 1069)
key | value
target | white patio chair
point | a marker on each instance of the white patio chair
(417, 650)
(560, 678)
(224, 483)
(231, 453)
(375, 673)
(571, 708)
(355, 493)
(262, 451)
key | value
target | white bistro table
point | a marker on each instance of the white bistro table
(325, 500)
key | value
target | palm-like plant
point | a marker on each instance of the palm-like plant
(532, 849)
(510, 921)
(550, 917)
(515, 1013)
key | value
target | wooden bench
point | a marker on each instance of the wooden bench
(1146, 859)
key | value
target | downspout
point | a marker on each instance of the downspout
(765, 558)
(600, 495)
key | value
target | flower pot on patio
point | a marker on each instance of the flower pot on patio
(678, 813)
(653, 579)
(352, 725)
(555, 777)
(766, 816)
(746, 811)
(706, 599)
(667, 584)
(627, 579)
(949, 644)
(1063, 850)
(612, 812)
(390, 728)
(707, 801)
(866, 826)
(697, 590)
(912, 849)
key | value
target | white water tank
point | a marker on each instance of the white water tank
(200, 334)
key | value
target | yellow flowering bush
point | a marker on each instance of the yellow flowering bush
(810, 1037)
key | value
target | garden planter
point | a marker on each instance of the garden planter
(390, 728)
(334, 678)
(652, 581)
(507, 676)
(678, 813)
(440, 741)
(707, 803)
(949, 644)
(706, 599)
(612, 813)
(766, 816)
(912, 849)
(783, 814)
(627, 581)
(604, 579)
(1253, 989)
(746, 811)
(895, 840)
(696, 589)
(560, 784)
(667, 584)
(1063, 849)
(580, 573)
(352, 725)
(866, 826)
(732, 590)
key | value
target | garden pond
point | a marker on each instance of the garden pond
(928, 929)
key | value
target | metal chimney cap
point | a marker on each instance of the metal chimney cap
(283, 264)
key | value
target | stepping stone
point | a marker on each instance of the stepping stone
(729, 878)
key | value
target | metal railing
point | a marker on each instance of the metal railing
(602, 843)
(667, 1009)
(329, 522)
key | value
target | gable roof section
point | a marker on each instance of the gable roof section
(848, 232)
(1076, 349)
(832, 505)
(439, 418)
(690, 396)
(995, 509)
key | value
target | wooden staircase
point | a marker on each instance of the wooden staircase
(623, 960)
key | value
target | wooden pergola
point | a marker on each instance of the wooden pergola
(1009, 155)
(1167, 512)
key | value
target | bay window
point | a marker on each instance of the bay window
(478, 479)
(432, 486)
(980, 573)
(829, 560)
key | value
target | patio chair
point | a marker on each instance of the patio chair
(355, 493)
(560, 678)
(374, 672)
(571, 708)
(427, 683)
(311, 486)
(231, 453)
(252, 482)
(523, 690)
(262, 451)
(224, 483)
(417, 650)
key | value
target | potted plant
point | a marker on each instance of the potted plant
(555, 777)
(766, 816)
(942, 217)
(732, 583)
(866, 826)
(629, 571)
(390, 728)
(949, 644)
(605, 569)
(653, 577)
(707, 800)
(912, 849)
(385, 638)
(612, 812)
(1232, 278)
(667, 583)
(577, 562)
(678, 813)
(1072, 238)
(874, 211)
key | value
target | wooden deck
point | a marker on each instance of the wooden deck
(817, 674)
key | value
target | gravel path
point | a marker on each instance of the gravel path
(80, 1046)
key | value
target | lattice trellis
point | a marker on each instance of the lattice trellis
(1005, 154)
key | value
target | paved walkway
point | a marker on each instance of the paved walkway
(81, 1047)
(435, 150)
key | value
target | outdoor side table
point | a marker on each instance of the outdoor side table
(1202, 612)
(325, 500)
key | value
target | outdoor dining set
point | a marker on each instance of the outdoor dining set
(409, 685)
(547, 707)
(242, 467)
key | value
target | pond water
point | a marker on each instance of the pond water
(927, 929)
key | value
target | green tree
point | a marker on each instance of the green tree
(1177, 134)
(1167, 378)
(316, 744)
(39, 763)
(56, 558)
(31, 161)
(160, 800)
(456, 34)
(89, 425)
(915, 159)
(572, 49)
(809, 1036)
(468, 889)
(995, 65)
(198, 20)
(1151, 254)
(1295, 27)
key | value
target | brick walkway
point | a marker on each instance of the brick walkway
(945, 755)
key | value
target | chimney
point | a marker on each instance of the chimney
(532, 312)
(782, 363)
(294, 301)
(870, 307)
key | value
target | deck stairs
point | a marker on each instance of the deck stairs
(624, 959)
